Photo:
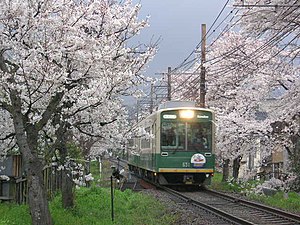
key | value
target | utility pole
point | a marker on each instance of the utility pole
(169, 83)
(137, 110)
(167, 87)
(151, 98)
(202, 73)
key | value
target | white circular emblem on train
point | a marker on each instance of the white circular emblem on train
(198, 160)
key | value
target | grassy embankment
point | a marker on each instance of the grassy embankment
(93, 206)
(289, 202)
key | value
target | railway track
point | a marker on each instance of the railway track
(225, 209)
(263, 212)
(212, 213)
(235, 210)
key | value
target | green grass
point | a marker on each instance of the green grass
(218, 185)
(93, 206)
(291, 202)
(239, 187)
(13, 214)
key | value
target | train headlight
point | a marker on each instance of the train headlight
(186, 114)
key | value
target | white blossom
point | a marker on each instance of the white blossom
(4, 177)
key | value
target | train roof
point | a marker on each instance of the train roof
(173, 105)
(176, 104)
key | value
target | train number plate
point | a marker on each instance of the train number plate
(186, 164)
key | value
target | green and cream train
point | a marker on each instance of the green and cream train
(177, 145)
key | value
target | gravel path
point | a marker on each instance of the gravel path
(185, 213)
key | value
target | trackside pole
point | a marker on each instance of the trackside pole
(100, 165)
(112, 198)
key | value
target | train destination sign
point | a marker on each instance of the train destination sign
(168, 116)
(202, 116)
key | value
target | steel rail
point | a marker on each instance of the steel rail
(225, 216)
(274, 211)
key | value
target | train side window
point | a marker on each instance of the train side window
(131, 142)
(168, 135)
(154, 136)
(145, 141)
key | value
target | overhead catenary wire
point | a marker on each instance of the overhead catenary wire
(224, 31)
(273, 41)
(188, 64)
(199, 44)
(254, 52)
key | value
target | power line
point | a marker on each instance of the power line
(266, 6)
(216, 39)
(272, 42)
(197, 46)
(206, 34)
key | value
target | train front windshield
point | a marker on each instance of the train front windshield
(187, 133)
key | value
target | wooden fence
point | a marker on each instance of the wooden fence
(16, 189)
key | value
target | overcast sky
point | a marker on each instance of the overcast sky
(178, 24)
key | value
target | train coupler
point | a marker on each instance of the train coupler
(188, 179)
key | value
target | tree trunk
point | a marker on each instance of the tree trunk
(37, 197)
(225, 170)
(38, 204)
(294, 156)
(67, 182)
(236, 167)
(67, 190)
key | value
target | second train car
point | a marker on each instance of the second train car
(176, 146)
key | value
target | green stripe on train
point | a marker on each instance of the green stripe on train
(181, 160)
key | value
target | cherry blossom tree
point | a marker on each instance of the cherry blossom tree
(58, 61)
(238, 84)
(286, 130)
(278, 23)
(6, 133)
(109, 126)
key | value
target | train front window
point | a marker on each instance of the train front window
(186, 136)
(199, 136)
(186, 130)
(172, 136)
